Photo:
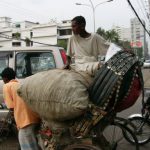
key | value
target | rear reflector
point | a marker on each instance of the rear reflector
(63, 55)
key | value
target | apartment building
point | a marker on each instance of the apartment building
(32, 34)
(138, 36)
(124, 33)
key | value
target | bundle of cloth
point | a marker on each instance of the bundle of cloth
(57, 94)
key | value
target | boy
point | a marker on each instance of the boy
(26, 120)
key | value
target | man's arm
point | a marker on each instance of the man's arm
(7, 98)
(69, 54)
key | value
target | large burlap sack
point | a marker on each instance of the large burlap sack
(57, 94)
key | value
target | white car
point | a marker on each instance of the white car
(27, 61)
(146, 64)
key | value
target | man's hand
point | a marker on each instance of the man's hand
(67, 66)
(99, 66)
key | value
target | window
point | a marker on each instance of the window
(16, 35)
(17, 25)
(31, 43)
(29, 63)
(27, 43)
(31, 34)
(15, 44)
(65, 32)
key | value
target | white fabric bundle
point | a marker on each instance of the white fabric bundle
(57, 94)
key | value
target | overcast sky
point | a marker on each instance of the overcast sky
(117, 12)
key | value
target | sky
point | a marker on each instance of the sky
(117, 12)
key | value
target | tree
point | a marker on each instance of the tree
(16, 35)
(125, 44)
(110, 35)
(62, 43)
(28, 41)
(101, 32)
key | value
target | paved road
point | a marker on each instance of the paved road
(12, 144)
(137, 107)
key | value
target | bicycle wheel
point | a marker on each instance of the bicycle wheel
(141, 130)
(113, 136)
(81, 147)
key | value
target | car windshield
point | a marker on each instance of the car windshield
(4, 61)
(29, 63)
(3, 64)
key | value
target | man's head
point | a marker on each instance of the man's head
(78, 24)
(8, 74)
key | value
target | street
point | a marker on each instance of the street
(45, 46)
(9, 143)
(12, 144)
(137, 107)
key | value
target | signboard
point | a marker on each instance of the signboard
(136, 44)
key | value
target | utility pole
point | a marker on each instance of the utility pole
(149, 28)
(93, 8)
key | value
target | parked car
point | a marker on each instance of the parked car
(146, 64)
(27, 61)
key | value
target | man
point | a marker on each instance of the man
(26, 120)
(84, 47)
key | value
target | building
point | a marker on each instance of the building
(32, 34)
(124, 33)
(138, 36)
(64, 29)
(5, 22)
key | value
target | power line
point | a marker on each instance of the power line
(20, 39)
(144, 5)
(138, 18)
(143, 12)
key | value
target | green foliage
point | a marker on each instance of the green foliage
(110, 35)
(28, 41)
(17, 35)
(124, 44)
(101, 32)
(62, 43)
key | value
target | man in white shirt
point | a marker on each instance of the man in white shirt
(84, 47)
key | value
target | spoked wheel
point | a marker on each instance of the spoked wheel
(81, 147)
(112, 138)
(141, 130)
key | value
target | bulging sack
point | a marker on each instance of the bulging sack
(57, 94)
